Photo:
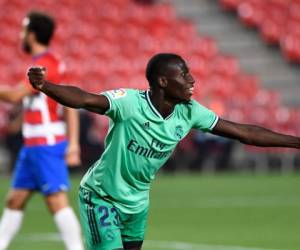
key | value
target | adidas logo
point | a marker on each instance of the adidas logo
(146, 125)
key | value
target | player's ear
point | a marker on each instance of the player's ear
(162, 81)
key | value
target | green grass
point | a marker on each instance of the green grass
(204, 212)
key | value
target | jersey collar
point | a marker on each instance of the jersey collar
(154, 110)
(38, 56)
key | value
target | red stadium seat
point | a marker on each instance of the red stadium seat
(294, 10)
(229, 4)
(217, 87)
(184, 30)
(281, 4)
(205, 47)
(9, 35)
(290, 46)
(284, 120)
(268, 99)
(227, 66)
(292, 27)
(277, 20)
(149, 45)
(247, 86)
(120, 3)
(110, 13)
(104, 49)
(162, 14)
(200, 66)
(271, 31)
(137, 15)
(251, 12)
(272, 27)
(138, 81)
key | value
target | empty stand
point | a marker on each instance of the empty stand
(277, 21)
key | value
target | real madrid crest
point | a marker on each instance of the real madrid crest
(178, 132)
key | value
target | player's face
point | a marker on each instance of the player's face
(180, 83)
(24, 36)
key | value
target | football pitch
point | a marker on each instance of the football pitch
(196, 212)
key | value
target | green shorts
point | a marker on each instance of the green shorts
(105, 227)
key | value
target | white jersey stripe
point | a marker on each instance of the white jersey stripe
(46, 120)
(49, 130)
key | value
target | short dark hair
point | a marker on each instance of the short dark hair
(157, 65)
(42, 25)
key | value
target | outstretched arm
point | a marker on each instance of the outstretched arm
(255, 135)
(14, 94)
(72, 155)
(69, 96)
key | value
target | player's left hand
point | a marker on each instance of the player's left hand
(72, 156)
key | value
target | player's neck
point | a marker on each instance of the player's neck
(158, 100)
(38, 49)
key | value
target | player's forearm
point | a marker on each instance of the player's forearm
(69, 96)
(72, 119)
(259, 136)
(7, 95)
(72, 155)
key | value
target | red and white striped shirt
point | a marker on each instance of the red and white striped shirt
(43, 122)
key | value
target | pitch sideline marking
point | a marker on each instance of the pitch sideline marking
(189, 246)
(174, 245)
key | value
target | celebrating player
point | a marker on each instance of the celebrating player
(41, 165)
(145, 127)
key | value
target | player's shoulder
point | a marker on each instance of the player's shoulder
(195, 104)
(192, 104)
(122, 93)
(125, 100)
(190, 108)
(48, 58)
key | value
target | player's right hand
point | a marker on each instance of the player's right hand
(36, 77)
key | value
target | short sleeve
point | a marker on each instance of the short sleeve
(119, 104)
(204, 119)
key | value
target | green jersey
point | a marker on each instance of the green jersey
(138, 143)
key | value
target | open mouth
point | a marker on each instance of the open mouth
(191, 90)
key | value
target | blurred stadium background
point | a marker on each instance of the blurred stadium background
(245, 56)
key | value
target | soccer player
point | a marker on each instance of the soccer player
(41, 165)
(145, 127)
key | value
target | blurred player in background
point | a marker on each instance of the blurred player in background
(49, 142)
(13, 134)
(145, 128)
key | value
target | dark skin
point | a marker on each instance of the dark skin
(173, 87)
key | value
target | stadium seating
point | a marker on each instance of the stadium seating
(276, 20)
(229, 4)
